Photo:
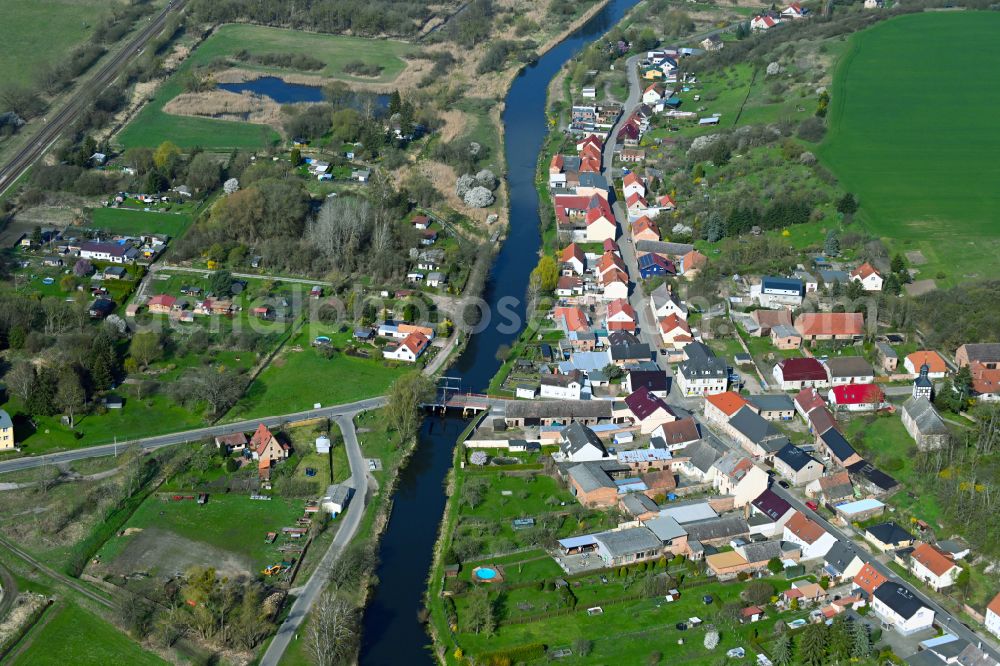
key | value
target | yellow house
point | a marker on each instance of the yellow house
(6, 431)
(652, 74)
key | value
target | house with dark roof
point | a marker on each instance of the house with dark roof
(624, 354)
(700, 457)
(778, 292)
(870, 480)
(595, 483)
(888, 536)
(924, 424)
(702, 373)
(758, 436)
(670, 533)
(842, 562)
(716, 531)
(520, 413)
(838, 448)
(898, 607)
(849, 370)
(654, 381)
(797, 466)
(832, 488)
(793, 374)
(772, 406)
(580, 443)
(647, 410)
(774, 509)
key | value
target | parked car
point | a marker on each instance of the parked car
(812, 505)
(783, 484)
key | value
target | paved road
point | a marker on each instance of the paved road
(944, 618)
(152, 443)
(63, 118)
(348, 528)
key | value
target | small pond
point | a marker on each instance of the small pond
(279, 90)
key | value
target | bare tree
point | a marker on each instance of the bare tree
(332, 634)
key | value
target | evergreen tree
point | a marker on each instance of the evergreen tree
(42, 399)
(812, 645)
(847, 204)
(841, 639)
(898, 264)
(832, 245)
(395, 103)
(103, 361)
(715, 229)
(861, 641)
(782, 652)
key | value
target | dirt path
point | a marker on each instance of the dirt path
(8, 590)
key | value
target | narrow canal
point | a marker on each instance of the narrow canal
(392, 633)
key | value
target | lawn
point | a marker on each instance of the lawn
(920, 159)
(133, 222)
(59, 25)
(300, 376)
(232, 523)
(153, 125)
(79, 637)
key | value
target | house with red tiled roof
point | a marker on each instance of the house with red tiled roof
(571, 319)
(645, 229)
(609, 261)
(798, 373)
(720, 407)
(993, 616)
(869, 278)
(868, 580)
(666, 202)
(807, 400)
(856, 397)
(610, 245)
(793, 11)
(621, 316)
(590, 140)
(615, 285)
(830, 325)
(600, 222)
(636, 206)
(653, 93)
(814, 540)
(573, 259)
(161, 303)
(632, 184)
(691, 263)
(409, 350)
(762, 22)
(936, 367)
(675, 332)
(266, 450)
(933, 566)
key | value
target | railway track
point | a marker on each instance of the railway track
(56, 124)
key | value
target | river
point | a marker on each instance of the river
(392, 633)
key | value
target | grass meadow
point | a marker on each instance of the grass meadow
(59, 25)
(79, 637)
(132, 222)
(153, 125)
(913, 135)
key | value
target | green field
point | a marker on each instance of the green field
(299, 377)
(75, 636)
(130, 222)
(214, 524)
(59, 25)
(152, 125)
(915, 138)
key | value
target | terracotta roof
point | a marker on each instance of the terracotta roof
(750, 611)
(610, 260)
(864, 271)
(610, 245)
(632, 179)
(557, 162)
(672, 322)
(634, 198)
(569, 282)
(857, 394)
(772, 318)
(728, 403)
(822, 420)
(591, 162)
(803, 528)
(574, 318)
(572, 251)
(599, 212)
(614, 275)
(666, 201)
(261, 438)
(868, 579)
(839, 480)
(621, 306)
(931, 359)
(830, 323)
(164, 300)
(933, 559)
(694, 259)
(415, 342)
(643, 224)
(984, 379)
(995, 605)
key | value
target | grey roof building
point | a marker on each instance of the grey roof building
(716, 529)
(758, 430)
(627, 543)
(578, 439)
(663, 247)
(760, 551)
(900, 599)
(702, 363)
(638, 504)
(772, 402)
(703, 453)
(590, 476)
(838, 559)
(689, 512)
(924, 424)
(666, 528)
(849, 367)
(794, 457)
(891, 534)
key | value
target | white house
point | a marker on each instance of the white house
(933, 567)
(409, 350)
(652, 94)
(869, 278)
(581, 444)
(702, 373)
(993, 616)
(810, 536)
(739, 476)
(562, 387)
(897, 606)
(664, 302)
(632, 184)
(615, 284)
(778, 292)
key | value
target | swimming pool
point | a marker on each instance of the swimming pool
(486, 575)
(322, 339)
(48, 280)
